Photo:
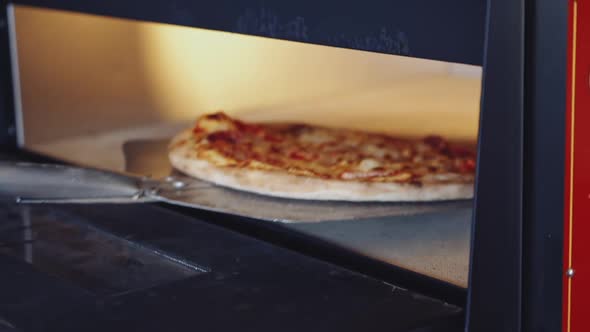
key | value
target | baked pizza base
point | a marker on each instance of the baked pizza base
(279, 184)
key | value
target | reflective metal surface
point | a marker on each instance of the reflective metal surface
(41, 182)
(215, 198)
(435, 244)
(65, 246)
(429, 238)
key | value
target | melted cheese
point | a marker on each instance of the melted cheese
(368, 164)
(214, 125)
(328, 153)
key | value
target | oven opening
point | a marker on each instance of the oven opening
(110, 93)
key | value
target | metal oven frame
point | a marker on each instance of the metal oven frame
(516, 269)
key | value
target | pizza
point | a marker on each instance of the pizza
(303, 161)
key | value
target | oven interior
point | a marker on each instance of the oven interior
(109, 93)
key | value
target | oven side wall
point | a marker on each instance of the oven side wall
(576, 267)
(7, 125)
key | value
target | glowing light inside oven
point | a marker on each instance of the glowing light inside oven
(105, 74)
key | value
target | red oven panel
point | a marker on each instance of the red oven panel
(577, 207)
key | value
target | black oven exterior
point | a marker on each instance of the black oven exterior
(519, 187)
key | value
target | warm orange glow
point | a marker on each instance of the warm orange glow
(104, 73)
(198, 71)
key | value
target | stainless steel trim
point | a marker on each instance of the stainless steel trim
(16, 84)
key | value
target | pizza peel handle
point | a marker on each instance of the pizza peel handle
(48, 183)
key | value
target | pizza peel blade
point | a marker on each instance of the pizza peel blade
(149, 157)
(51, 183)
(58, 184)
(149, 177)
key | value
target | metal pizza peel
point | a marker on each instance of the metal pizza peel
(148, 177)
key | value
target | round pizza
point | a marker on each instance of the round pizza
(311, 162)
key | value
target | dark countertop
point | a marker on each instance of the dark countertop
(248, 284)
(237, 281)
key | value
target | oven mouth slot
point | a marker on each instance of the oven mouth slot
(144, 82)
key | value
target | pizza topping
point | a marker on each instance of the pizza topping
(374, 150)
(315, 137)
(404, 176)
(216, 158)
(436, 142)
(227, 136)
(301, 155)
(368, 164)
(327, 153)
(215, 122)
(467, 166)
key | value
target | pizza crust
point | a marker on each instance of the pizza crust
(280, 184)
